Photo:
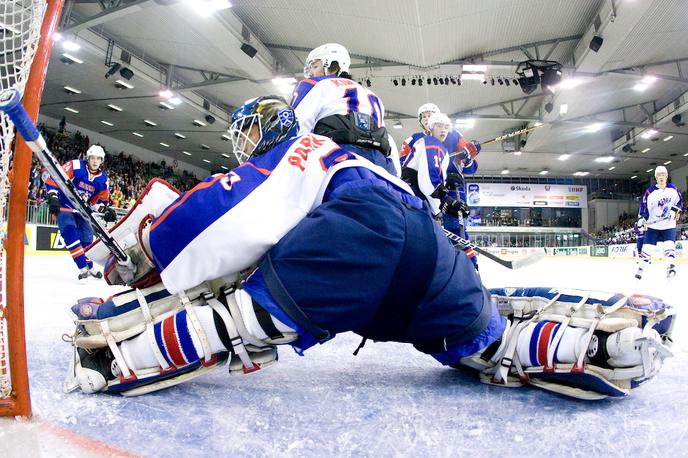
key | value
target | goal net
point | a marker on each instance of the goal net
(22, 24)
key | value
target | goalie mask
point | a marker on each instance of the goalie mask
(274, 122)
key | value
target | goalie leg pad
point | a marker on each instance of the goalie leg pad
(584, 344)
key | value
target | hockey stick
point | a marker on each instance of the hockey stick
(10, 103)
(515, 264)
(505, 136)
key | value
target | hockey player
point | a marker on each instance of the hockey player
(462, 161)
(306, 240)
(92, 184)
(660, 209)
(425, 169)
(328, 102)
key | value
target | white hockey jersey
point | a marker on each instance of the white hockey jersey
(657, 203)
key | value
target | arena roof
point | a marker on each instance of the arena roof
(199, 56)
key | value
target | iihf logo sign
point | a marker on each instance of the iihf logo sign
(286, 118)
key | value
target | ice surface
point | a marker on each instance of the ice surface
(388, 401)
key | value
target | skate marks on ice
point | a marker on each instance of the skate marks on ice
(389, 400)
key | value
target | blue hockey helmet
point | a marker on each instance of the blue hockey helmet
(275, 120)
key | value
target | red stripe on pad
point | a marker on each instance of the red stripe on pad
(169, 335)
(543, 342)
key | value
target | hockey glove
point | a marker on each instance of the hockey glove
(472, 148)
(109, 215)
(675, 213)
(54, 204)
(641, 224)
(454, 181)
(454, 207)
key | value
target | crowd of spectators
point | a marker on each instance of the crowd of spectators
(128, 176)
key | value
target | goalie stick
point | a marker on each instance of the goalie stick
(10, 103)
(515, 264)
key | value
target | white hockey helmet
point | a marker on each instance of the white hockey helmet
(661, 169)
(328, 53)
(95, 150)
(438, 118)
(427, 107)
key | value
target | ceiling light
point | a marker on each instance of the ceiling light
(114, 107)
(606, 159)
(187, 153)
(611, 168)
(71, 45)
(179, 136)
(107, 123)
(199, 123)
(645, 150)
(640, 87)
(150, 123)
(563, 108)
(570, 83)
(72, 90)
(71, 58)
(398, 124)
(175, 100)
(505, 172)
(634, 177)
(57, 36)
(666, 139)
(123, 85)
(580, 174)
(564, 157)
(224, 168)
(164, 144)
(649, 133)
(204, 146)
(648, 170)
(137, 134)
(683, 155)
(206, 8)
(473, 76)
(166, 93)
(474, 68)
(206, 160)
(166, 106)
(517, 153)
(595, 127)
(537, 124)
(667, 163)
(649, 79)
(225, 137)
(225, 155)
(70, 109)
(544, 172)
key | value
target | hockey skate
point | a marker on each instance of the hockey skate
(671, 271)
(95, 273)
(91, 370)
(83, 275)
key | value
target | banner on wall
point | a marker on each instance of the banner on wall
(49, 238)
(527, 195)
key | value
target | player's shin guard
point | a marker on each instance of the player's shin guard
(146, 340)
(583, 344)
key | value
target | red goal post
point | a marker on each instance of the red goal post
(19, 21)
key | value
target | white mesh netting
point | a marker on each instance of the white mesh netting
(20, 24)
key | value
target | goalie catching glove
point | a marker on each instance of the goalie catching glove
(584, 344)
